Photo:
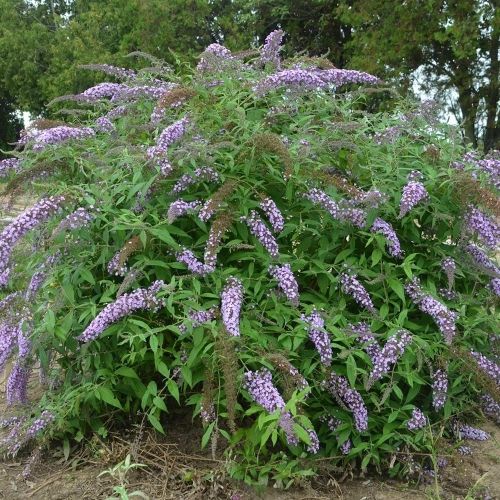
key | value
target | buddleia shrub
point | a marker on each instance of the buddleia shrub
(306, 277)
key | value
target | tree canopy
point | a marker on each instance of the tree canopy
(450, 47)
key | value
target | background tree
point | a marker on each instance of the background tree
(454, 45)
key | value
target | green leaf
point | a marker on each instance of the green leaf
(173, 389)
(155, 422)
(351, 370)
(207, 434)
(397, 287)
(126, 371)
(106, 395)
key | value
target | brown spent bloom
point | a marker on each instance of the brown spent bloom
(272, 143)
(207, 407)
(220, 225)
(17, 184)
(470, 190)
(175, 97)
(43, 124)
(132, 246)
(315, 62)
(291, 379)
(330, 176)
(228, 362)
(216, 200)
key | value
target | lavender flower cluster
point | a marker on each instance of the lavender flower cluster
(9, 165)
(214, 58)
(180, 207)
(57, 135)
(23, 223)
(187, 257)
(312, 79)
(444, 318)
(487, 230)
(414, 192)
(333, 424)
(449, 267)
(417, 420)
(273, 214)
(490, 368)
(387, 357)
(198, 318)
(490, 407)
(439, 389)
(231, 302)
(142, 298)
(352, 286)
(339, 387)
(270, 53)
(75, 220)
(286, 282)
(262, 233)
(385, 228)
(472, 433)
(260, 386)
(169, 135)
(202, 173)
(365, 336)
(319, 336)
(481, 260)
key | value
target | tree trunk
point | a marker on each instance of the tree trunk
(492, 133)
(468, 100)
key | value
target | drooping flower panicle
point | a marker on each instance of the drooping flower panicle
(231, 302)
(319, 336)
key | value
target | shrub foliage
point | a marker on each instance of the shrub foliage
(251, 240)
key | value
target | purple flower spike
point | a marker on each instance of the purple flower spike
(9, 165)
(439, 389)
(319, 336)
(444, 318)
(490, 407)
(490, 368)
(169, 135)
(417, 420)
(352, 286)
(472, 433)
(262, 233)
(17, 384)
(39, 424)
(198, 318)
(286, 281)
(386, 229)
(487, 230)
(142, 298)
(482, 261)
(180, 207)
(260, 386)
(449, 267)
(270, 53)
(231, 302)
(57, 135)
(413, 193)
(319, 197)
(388, 356)
(339, 388)
(494, 286)
(200, 174)
(273, 214)
(23, 223)
(194, 265)
(79, 218)
(365, 337)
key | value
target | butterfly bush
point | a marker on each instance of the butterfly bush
(472, 433)
(352, 286)
(270, 53)
(273, 214)
(25, 222)
(444, 317)
(487, 230)
(319, 336)
(339, 387)
(387, 357)
(286, 282)
(439, 389)
(225, 231)
(414, 192)
(60, 134)
(417, 421)
(231, 303)
(9, 165)
(262, 233)
(142, 298)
